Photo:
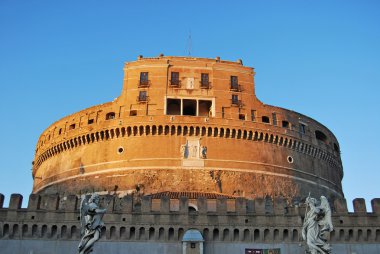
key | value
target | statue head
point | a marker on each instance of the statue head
(311, 201)
(94, 198)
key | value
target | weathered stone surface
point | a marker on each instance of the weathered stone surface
(216, 140)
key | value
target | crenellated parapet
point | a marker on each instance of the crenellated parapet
(222, 219)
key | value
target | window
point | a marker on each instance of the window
(336, 148)
(60, 131)
(253, 115)
(110, 116)
(72, 127)
(174, 81)
(144, 79)
(133, 113)
(189, 108)
(321, 136)
(204, 80)
(204, 108)
(90, 121)
(274, 119)
(302, 128)
(234, 83)
(241, 116)
(235, 99)
(173, 107)
(143, 96)
(265, 119)
(285, 124)
(222, 112)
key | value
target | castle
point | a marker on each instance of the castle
(192, 162)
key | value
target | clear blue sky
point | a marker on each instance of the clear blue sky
(319, 58)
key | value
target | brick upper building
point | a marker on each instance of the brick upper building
(188, 124)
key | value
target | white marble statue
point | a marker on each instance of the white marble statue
(91, 223)
(317, 221)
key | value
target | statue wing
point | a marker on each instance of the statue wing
(83, 212)
(326, 222)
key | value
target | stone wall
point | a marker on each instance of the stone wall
(232, 224)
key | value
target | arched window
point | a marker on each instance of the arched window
(110, 115)
(320, 136)
(265, 119)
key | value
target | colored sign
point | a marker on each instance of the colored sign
(262, 251)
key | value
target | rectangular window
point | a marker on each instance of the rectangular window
(222, 112)
(234, 83)
(302, 128)
(204, 108)
(174, 81)
(274, 119)
(173, 107)
(253, 115)
(143, 96)
(204, 80)
(90, 121)
(241, 116)
(235, 99)
(144, 79)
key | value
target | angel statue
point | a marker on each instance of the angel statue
(91, 223)
(317, 221)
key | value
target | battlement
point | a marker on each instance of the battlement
(49, 217)
(201, 205)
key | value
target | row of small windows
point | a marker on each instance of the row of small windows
(203, 108)
(176, 82)
(186, 131)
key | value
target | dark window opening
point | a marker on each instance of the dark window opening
(336, 148)
(235, 99)
(173, 107)
(302, 128)
(205, 80)
(274, 119)
(205, 108)
(110, 116)
(189, 107)
(222, 112)
(90, 121)
(241, 116)
(265, 119)
(321, 136)
(174, 81)
(143, 96)
(144, 79)
(234, 83)
(192, 245)
(285, 124)
(133, 113)
(253, 115)
(72, 127)
(60, 131)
